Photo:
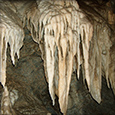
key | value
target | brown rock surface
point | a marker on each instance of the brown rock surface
(26, 82)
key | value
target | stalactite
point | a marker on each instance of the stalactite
(10, 32)
(64, 39)
(95, 72)
(3, 47)
(60, 28)
(112, 68)
(61, 32)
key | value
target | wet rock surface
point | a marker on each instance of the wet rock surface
(27, 78)
(84, 104)
(29, 90)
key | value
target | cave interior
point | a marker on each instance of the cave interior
(57, 57)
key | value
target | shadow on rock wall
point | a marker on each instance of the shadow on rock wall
(29, 89)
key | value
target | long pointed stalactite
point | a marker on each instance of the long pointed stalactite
(67, 39)
(10, 33)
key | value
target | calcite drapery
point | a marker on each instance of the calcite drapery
(60, 28)
(61, 34)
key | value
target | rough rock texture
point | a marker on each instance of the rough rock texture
(29, 82)
(72, 35)
(28, 88)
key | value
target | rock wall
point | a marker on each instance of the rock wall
(71, 35)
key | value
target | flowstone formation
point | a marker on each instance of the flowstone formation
(70, 38)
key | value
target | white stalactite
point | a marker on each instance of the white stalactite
(3, 47)
(60, 28)
(62, 23)
(10, 33)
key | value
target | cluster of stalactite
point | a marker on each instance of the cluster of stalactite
(11, 33)
(67, 39)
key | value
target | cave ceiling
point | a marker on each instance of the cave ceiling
(73, 36)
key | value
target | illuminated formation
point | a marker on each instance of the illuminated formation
(67, 39)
